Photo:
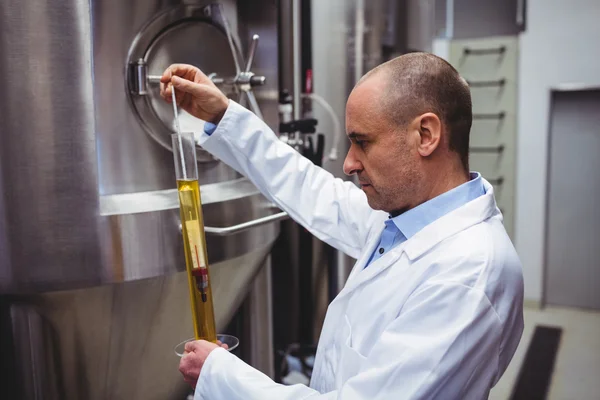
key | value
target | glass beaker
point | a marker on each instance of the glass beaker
(231, 341)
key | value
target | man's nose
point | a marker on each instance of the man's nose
(351, 164)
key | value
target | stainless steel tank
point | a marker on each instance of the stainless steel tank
(92, 293)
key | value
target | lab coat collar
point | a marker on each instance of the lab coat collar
(472, 213)
(412, 221)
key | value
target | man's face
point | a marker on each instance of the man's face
(382, 155)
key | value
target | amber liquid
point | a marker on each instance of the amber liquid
(196, 260)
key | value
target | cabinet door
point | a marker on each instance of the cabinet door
(573, 224)
(490, 66)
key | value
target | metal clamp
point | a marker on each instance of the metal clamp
(499, 116)
(492, 149)
(138, 77)
(230, 230)
(500, 82)
(482, 52)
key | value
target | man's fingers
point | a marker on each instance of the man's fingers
(195, 89)
(165, 91)
(189, 366)
(221, 344)
(183, 72)
(177, 70)
(166, 76)
(191, 346)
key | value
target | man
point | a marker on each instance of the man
(433, 306)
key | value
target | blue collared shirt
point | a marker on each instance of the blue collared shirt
(406, 225)
(209, 128)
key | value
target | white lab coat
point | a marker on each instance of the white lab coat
(437, 317)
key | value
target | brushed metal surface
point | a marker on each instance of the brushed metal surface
(145, 245)
(96, 300)
(132, 203)
(116, 341)
(47, 146)
(69, 141)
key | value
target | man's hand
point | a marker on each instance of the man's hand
(194, 92)
(193, 359)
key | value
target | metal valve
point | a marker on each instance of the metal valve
(243, 82)
(245, 79)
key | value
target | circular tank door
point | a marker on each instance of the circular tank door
(187, 35)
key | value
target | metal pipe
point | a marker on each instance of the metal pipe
(236, 56)
(230, 230)
(449, 19)
(260, 322)
(297, 58)
(359, 40)
(252, 53)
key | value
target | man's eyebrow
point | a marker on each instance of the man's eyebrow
(357, 135)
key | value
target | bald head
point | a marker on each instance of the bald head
(417, 83)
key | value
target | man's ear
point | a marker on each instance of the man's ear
(430, 130)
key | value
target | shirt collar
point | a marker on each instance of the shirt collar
(415, 219)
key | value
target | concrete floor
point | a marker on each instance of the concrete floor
(577, 368)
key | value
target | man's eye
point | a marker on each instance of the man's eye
(359, 142)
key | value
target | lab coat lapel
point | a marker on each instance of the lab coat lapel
(374, 269)
(360, 274)
(364, 259)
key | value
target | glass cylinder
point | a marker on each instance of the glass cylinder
(184, 156)
(192, 227)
